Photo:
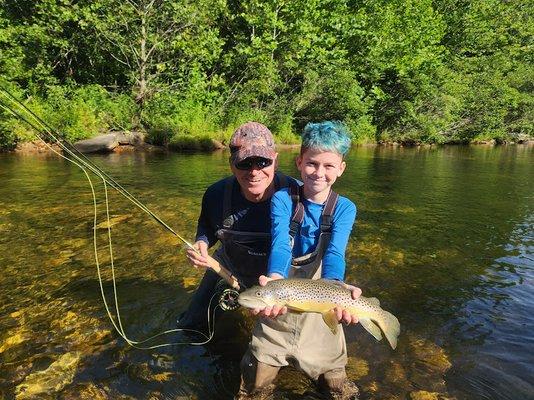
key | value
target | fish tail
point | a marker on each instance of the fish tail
(390, 326)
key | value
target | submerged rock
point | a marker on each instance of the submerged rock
(428, 354)
(357, 368)
(396, 376)
(14, 340)
(423, 395)
(113, 221)
(429, 365)
(88, 391)
(52, 380)
(190, 282)
(63, 258)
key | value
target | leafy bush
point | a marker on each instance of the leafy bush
(159, 136)
(166, 111)
(189, 142)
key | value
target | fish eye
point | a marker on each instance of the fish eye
(258, 293)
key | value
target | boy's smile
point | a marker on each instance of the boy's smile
(319, 170)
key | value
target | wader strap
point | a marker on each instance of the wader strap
(298, 211)
(328, 211)
(281, 182)
(228, 219)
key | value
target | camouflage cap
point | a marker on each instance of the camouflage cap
(251, 139)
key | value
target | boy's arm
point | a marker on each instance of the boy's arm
(334, 257)
(280, 256)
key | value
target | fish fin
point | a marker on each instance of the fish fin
(308, 306)
(391, 327)
(296, 307)
(371, 327)
(330, 319)
(374, 301)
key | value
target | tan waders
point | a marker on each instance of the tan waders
(257, 382)
(299, 339)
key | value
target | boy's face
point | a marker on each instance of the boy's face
(319, 170)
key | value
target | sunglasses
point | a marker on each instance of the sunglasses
(253, 162)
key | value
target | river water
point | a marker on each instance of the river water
(444, 238)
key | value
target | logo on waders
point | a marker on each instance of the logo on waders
(254, 253)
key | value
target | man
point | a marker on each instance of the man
(236, 212)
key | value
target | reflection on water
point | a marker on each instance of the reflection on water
(444, 238)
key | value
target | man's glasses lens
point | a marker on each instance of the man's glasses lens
(248, 163)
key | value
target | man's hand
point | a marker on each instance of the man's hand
(196, 259)
(344, 315)
(269, 311)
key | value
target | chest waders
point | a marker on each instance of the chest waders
(310, 265)
(302, 339)
(244, 253)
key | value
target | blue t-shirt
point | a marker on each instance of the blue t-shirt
(308, 237)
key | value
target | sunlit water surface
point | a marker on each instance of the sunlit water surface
(444, 239)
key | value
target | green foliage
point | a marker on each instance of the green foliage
(159, 136)
(82, 112)
(8, 134)
(168, 112)
(75, 112)
(408, 71)
(188, 142)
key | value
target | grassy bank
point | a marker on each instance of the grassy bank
(81, 112)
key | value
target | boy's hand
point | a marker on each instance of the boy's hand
(344, 315)
(269, 311)
(196, 259)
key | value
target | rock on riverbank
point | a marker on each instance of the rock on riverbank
(107, 143)
(110, 142)
(118, 142)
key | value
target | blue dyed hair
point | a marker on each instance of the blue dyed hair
(326, 136)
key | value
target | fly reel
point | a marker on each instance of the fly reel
(227, 296)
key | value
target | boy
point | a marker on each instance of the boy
(310, 230)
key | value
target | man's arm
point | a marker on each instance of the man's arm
(196, 259)
(205, 236)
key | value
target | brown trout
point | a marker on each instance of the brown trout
(322, 296)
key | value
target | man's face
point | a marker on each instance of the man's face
(255, 181)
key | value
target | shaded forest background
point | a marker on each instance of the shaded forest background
(451, 71)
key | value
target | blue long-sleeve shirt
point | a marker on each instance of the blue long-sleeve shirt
(308, 237)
